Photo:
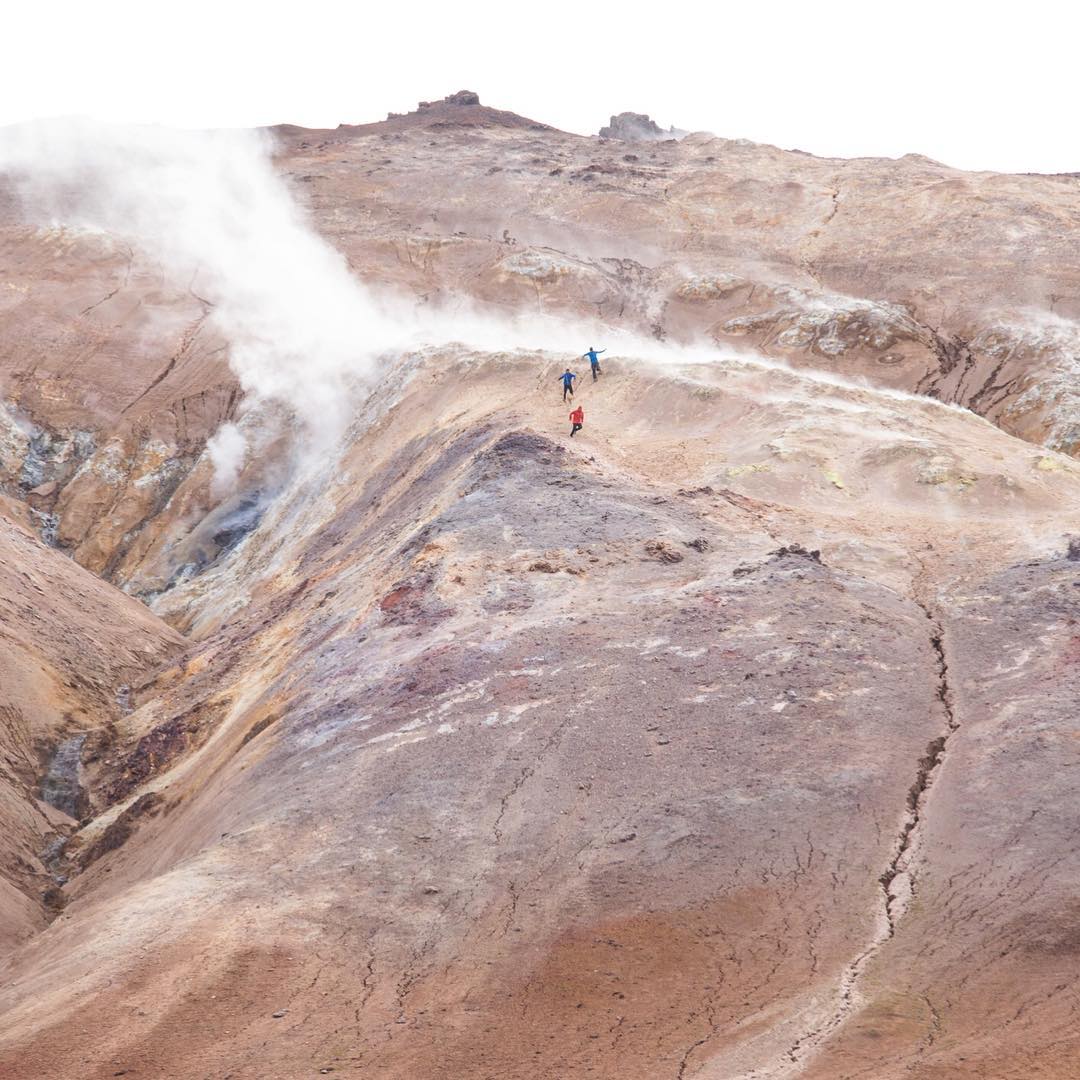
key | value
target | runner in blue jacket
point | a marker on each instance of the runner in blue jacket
(594, 361)
(567, 378)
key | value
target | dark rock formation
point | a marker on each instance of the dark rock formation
(637, 127)
(462, 97)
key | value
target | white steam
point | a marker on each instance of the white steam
(303, 332)
(305, 336)
(228, 451)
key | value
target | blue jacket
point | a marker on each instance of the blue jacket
(567, 378)
(593, 355)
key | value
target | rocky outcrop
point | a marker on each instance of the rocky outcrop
(637, 127)
(462, 97)
(458, 110)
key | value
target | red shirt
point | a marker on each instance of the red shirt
(577, 416)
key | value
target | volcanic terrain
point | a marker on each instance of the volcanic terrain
(731, 739)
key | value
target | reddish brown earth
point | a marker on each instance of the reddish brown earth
(732, 739)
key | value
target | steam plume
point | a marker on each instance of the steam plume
(302, 330)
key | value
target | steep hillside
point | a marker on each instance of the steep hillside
(655, 753)
(73, 648)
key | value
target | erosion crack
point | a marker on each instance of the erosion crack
(897, 881)
(186, 342)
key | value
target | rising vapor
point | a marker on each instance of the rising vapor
(304, 334)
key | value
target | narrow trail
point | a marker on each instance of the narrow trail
(898, 881)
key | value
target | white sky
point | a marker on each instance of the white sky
(977, 85)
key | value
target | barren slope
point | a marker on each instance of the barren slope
(71, 647)
(504, 755)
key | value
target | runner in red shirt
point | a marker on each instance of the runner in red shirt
(577, 418)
